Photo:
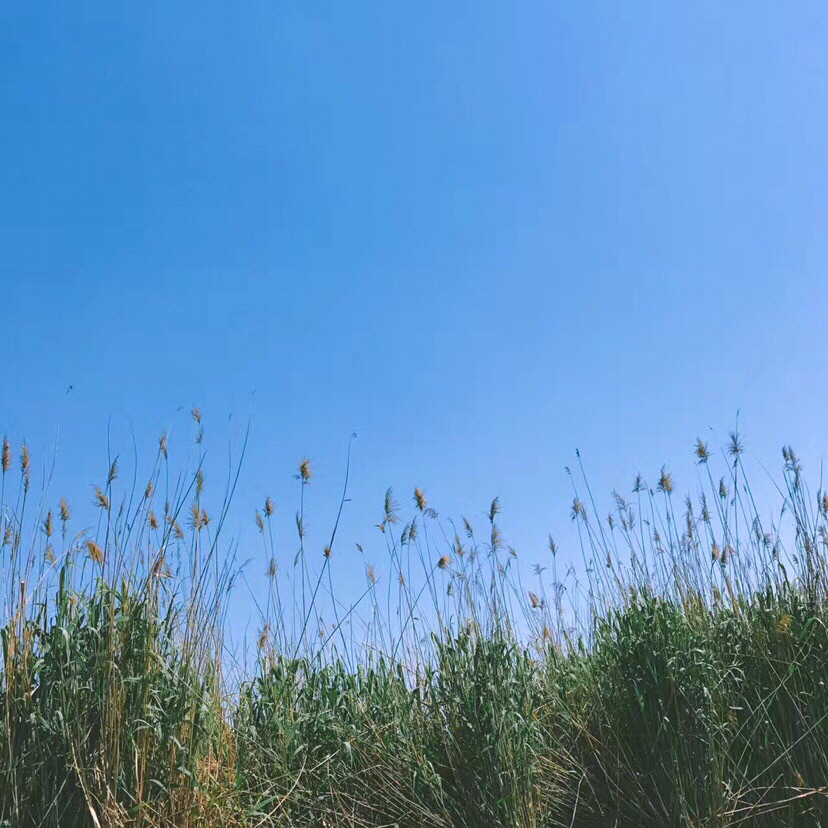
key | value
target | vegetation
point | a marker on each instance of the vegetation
(676, 678)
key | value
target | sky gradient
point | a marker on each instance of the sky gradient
(479, 236)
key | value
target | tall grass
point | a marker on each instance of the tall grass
(676, 676)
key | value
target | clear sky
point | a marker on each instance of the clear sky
(478, 235)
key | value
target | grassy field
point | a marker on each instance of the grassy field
(676, 677)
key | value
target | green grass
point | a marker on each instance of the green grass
(676, 677)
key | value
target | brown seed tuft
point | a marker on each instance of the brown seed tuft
(95, 551)
(101, 500)
(390, 507)
(494, 509)
(25, 467)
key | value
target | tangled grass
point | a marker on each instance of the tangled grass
(676, 678)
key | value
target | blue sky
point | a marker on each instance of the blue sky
(478, 235)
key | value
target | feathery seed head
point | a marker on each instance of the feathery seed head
(390, 507)
(494, 509)
(458, 546)
(101, 500)
(6, 455)
(701, 450)
(420, 499)
(665, 481)
(64, 511)
(444, 562)
(305, 472)
(195, 517)
(269, 507)
(95, 551)
(25, 467)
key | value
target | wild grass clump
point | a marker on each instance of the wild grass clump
(673, 675)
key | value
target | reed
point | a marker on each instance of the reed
(675, 677)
